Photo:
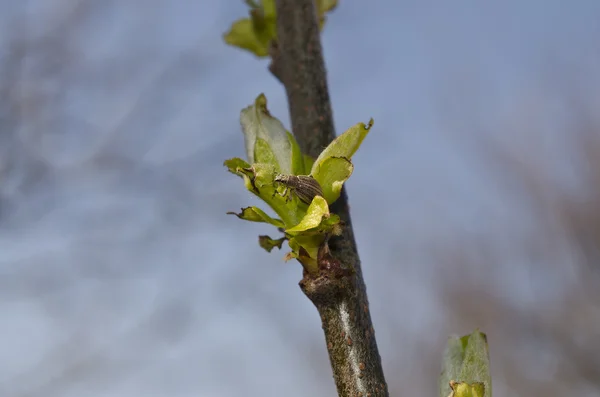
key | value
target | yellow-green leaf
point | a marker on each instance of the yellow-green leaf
(268, 243)
(239, 167)
(463, 389)
(255, 214)
(265, 27)
(317, 209)
(242, 35)
(344, 145)
(305, 249)
(234, 164)
(297, 156)
(331, 175)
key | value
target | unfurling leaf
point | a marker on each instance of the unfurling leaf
(265, 136)
(344, 145)
(254, 214)
(268, 243)
(331, 175)
(466, 361)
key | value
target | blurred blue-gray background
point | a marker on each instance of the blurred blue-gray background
(475, 199)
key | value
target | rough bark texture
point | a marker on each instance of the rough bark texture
(338, 292)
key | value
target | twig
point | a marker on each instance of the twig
(338, 292)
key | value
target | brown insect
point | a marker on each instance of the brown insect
(305, 186)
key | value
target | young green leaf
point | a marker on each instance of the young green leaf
(466, 360)
(268, 243)
(242, 35)
(255, 214)
(451, 364)
(298, 166)
(305, 249)
(314, 215)
(331, 175)
(255, 33)
(344, 145)
(237, 166)
(476, 365)
(257, 123)
(235, 163)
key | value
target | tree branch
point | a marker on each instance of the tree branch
(339, 291)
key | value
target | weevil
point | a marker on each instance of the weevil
(305, 186)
